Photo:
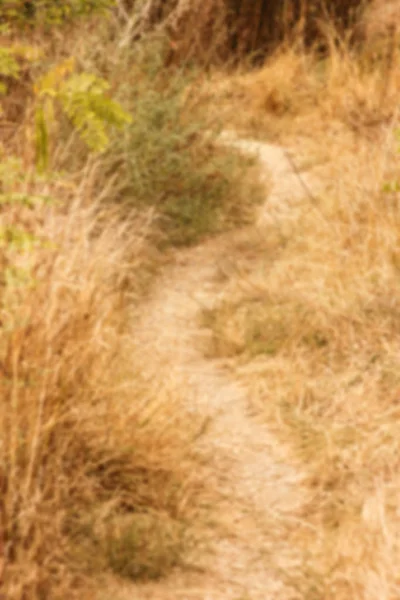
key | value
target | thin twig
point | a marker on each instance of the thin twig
(301, 179)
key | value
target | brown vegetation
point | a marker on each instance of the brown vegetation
(218, 31)
(78, 455)
(308, 318)
(97, 472)
(96, 467)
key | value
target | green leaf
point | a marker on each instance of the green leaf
(17, 277)
(16, 238)
(391, 187)
(84, 101)
(11, 172)
(22, 199)
(9, 66)
(41, 139)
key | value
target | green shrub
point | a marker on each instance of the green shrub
(48, 12)
(144, 545)
(171, 160)
(82, 98)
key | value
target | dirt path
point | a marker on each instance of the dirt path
(259, 489)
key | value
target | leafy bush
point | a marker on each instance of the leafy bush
(48, 12)
(196, 187)
(83, 99)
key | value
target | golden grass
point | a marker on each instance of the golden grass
(93, 462)
(299, 92)
(96, 467)
(309, 317)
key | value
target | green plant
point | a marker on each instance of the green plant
(17, 241)
(143, 545)
(11, 58)
(83, 99)
(48, 12)
(170, 164)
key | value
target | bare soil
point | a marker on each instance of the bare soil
(256, 484)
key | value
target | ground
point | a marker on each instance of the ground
(255, 482)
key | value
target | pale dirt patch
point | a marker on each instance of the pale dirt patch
(256, 484)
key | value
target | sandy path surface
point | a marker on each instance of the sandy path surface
(258, 487)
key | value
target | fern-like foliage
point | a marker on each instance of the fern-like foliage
(83, 99)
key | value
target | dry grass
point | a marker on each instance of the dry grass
(310, 322)
(300, 92)
(214, 32)
(94, 467)
(309, 317)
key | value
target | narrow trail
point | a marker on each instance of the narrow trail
(259, 488)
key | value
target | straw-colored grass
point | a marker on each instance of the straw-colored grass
(300, 92)
(309, 316)
(96, 468)
(93, 463)
(96, 472)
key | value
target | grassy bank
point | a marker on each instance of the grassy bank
(308, 320)
(103, 169)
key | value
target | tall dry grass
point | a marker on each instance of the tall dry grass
(308, 320)
(298, 91)
(96, 472)
(93, 469)
(226, 31)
